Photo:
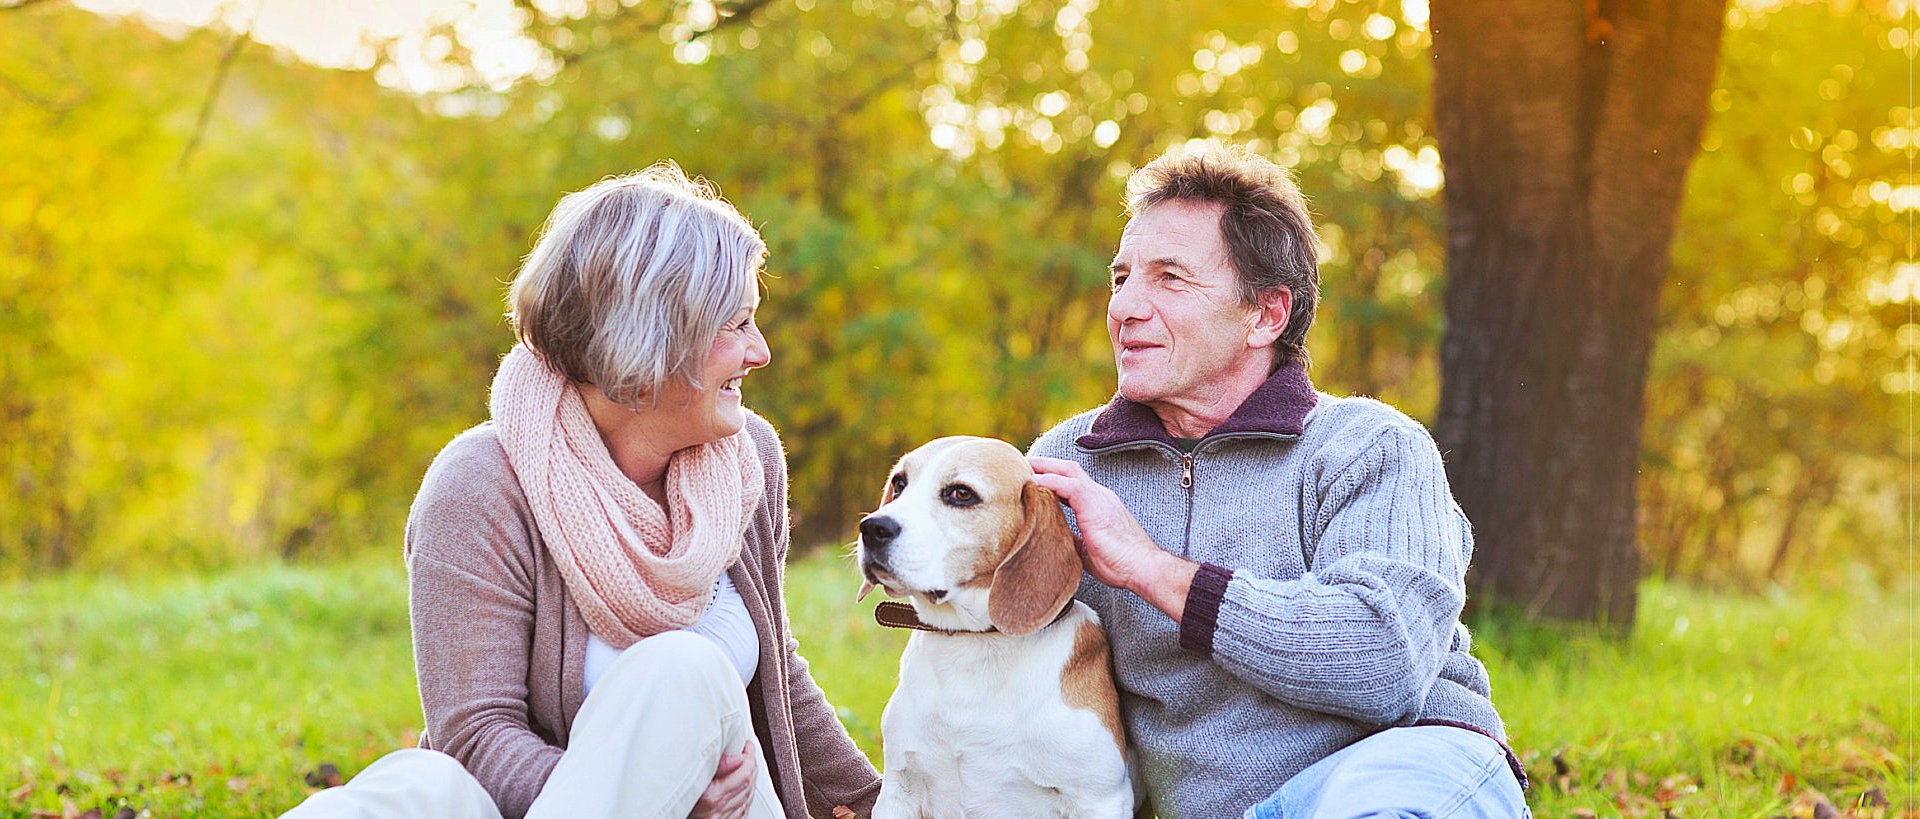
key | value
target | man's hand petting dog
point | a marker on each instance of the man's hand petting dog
(1114, 548)
(731, 792)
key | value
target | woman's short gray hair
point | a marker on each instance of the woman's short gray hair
(632, 278)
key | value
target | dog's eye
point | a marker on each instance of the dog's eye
(899, 483)
(959, 494)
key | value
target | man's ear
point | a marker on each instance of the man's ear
(1042, 570)
(1270, 317)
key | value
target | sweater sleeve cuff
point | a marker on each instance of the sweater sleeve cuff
(1202, 611)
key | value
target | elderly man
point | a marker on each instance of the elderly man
(1281, 570)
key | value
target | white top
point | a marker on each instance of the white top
(726, 623)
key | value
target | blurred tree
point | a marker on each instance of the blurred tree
(256, 355)
(940, 227)
(1778, 383)
(241, 358)
(1567, 137)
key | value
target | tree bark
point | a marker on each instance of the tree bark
(1566, 134)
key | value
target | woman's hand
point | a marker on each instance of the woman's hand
(731, 792)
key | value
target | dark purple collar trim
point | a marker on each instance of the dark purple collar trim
(1278, 407)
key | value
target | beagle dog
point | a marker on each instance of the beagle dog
(1006, 705)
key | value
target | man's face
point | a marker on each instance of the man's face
(1179, 328)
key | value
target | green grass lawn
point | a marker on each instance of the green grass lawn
(214, 696)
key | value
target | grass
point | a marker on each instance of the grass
(215, 696)
(1715, 706)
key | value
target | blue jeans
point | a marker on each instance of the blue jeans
(1424, 771)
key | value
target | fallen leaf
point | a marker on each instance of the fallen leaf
(21, 793)
(125, 813)
(1632, 804)
(1815, 804)
(1788, 783)
(1873, 798)
(1674, 787)
(93, 813)
(325, 776)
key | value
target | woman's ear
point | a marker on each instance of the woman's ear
(1040, 573)
(1270, 317)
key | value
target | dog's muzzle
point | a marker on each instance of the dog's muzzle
(877, 532)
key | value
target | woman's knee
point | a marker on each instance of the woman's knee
(684, 651)
(421, 764)
(676, 665)
(407, 782)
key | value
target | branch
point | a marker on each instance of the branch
(651, 27)
(732, 16)
(57, 107)
(860, 101)
(729, 17)
(213, 95)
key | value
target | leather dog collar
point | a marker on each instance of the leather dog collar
(894, 614)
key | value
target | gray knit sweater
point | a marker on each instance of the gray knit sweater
(1330, 606)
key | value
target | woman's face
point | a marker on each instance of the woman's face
(705, 415)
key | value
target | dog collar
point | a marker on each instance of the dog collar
(901, 615)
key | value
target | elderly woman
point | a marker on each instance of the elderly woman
(595, 574)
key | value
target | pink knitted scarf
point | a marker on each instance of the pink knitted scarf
(634, 569)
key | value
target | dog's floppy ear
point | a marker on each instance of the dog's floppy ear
(1040, 572)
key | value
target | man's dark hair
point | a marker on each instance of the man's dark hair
(1268, 233)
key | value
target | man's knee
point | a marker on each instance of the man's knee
(1423, 771)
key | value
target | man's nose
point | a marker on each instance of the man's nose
(1126, 303)
(877, 531)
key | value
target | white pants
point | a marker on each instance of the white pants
(646, 743)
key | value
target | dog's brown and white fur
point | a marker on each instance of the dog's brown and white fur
(1014, 714)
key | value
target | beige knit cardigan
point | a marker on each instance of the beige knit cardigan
(499, 645)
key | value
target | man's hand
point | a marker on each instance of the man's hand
(731, 792)
(1112, 545)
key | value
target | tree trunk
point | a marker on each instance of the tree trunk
(1566, 138)
(1813, 489)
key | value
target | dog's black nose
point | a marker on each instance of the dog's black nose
(879, 530)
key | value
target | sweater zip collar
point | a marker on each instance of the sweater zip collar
(1277, 409)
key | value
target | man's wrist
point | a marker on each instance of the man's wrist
(1166, 587)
